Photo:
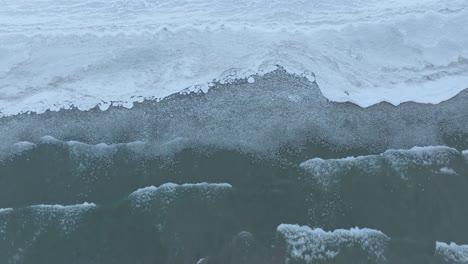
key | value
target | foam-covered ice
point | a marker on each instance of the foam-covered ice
(452, 253)
(400, 161)
(310, 245)
(58, 54)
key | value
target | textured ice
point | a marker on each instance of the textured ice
(311, 245)
(452, 253)
(58, 54)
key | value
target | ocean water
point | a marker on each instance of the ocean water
(269, 171)
(233, 132)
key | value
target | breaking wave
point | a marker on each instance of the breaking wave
(317, 246)
(436, 160)
(452, 253)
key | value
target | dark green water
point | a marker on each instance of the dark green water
(247, 173)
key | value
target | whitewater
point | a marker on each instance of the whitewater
(83, 54)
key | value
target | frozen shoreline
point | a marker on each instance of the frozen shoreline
(94, 55)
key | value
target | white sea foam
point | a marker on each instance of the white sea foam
(78, 144)
(15, 149)
(63, 207)
(446, 170)
(328, 171)
(167, 192)
(65, 216)
(310, 245)
(100, 150)
(45, 215)
(49, 139)
(58, 54)
(24, 145)
(5, 210)
(36, 221)
(438, 156)
(4, 213)
(155, 202)
(452, 253)
(171, 185)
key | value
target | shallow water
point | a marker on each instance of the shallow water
(246, 173)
